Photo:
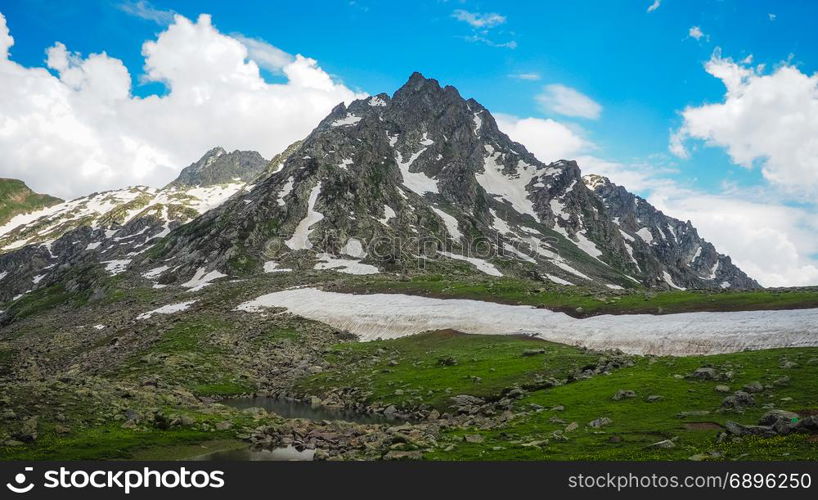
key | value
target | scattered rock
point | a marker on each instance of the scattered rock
(664, 444)
(753, 387)
(473, 438)
(705, 373)
(623, 394)
(722, 388)
(600, 422)
(738, 400)
(654, 398)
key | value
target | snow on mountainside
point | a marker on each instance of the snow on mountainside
(110, 227)
(424, 179)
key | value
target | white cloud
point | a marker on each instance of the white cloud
(478, 19)
(547, 139)
(769, 120)
(772, 242)
(568, 101)
(771, 16)
(525, 76)
(83, 130)
(145, 10)
(655, 5)
(265, 55)
(695, 32)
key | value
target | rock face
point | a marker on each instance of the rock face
(218, 166)
(425, 180)
(108, 230)
(669, 250)
(16, 198)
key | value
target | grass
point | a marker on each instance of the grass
(17, 198)
(638, 423)
(592, 302)
(416, 377)
(428, 369)
(107, 443)
(44, 299)
(187, 355)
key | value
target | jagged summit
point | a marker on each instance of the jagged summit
(217, 166)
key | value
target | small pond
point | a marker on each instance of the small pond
(288, 408)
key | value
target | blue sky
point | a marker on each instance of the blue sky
(628, 68)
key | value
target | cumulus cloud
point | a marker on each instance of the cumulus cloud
(547, 139)
(655, 5)
(772, 242)
(568, 101)
(77, 128)
(695, 32)
(479, 19)
(767, 120)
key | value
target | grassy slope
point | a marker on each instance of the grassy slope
(17, 198)
(499, 362)
(423, 376)
(592, 302)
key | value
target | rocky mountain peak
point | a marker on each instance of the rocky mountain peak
(217, 166)
(427, 164)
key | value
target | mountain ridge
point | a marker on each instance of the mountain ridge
(426, 164)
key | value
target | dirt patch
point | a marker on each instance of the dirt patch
(702, 426)
(807, 412)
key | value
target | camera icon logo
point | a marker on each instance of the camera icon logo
(20, 479)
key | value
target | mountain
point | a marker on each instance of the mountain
(109, 229)
(424, 181)
(17, 198)
(218, 166)
(666, 247)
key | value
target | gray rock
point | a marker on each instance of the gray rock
(623, 394)
(600, 422)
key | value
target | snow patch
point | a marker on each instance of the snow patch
(450, 222)
(349, 119)
(168, 309)
(271, 266)
(669, 280)
(480, 264)
(300, 239)
(155, 272)
(388, 213)
(393, 315)
(645, 234)
(347, 266)
(418, 182)
(285, 190)
(511, 188)
(115, 267)
(202, 279)
(354, 248)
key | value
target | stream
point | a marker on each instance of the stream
(286, 408)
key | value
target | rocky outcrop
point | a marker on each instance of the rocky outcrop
(218, 166)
